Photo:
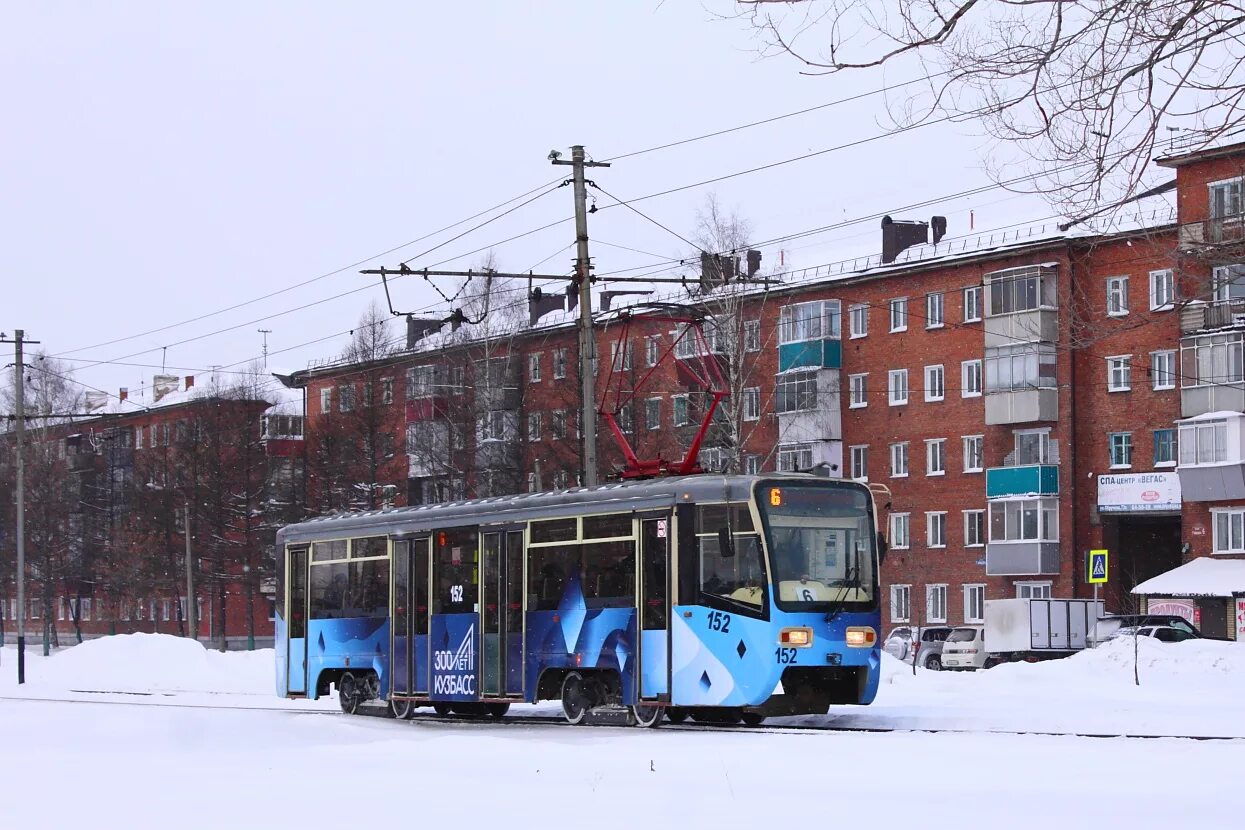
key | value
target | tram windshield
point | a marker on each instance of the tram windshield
(821, 543)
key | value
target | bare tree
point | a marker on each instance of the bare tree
(1086, 91)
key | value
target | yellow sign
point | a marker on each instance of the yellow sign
(1097, 567)
(775, 497)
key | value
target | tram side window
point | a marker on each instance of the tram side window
(548, 572)
(369, 588)
(330, 591)
(455, 571)
(328, 551)
(609, 574)
(371, 546)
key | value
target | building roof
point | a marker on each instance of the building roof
(1203, 154)
(1203, 577)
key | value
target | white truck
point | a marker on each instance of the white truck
(1037, 629)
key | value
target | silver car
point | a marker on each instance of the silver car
(926, 640)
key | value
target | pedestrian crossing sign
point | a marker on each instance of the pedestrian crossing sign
(1097, 566)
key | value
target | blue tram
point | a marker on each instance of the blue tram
(719, 597)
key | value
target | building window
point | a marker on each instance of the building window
(752, 403)
(559, 364)
(652, 413)
(809, 321)
(974, 603)
(936, 603)
(899, 531)
(936, 456)
(860, 461)
(752, 335)
(974, 528)
(1024, 520)
(1119, 373)
(1229, 534)
(626, 418)
(138, 438)
(858, 386)
(620, 356)
(972, 304)
(1021, 367)
(1203, 442)
(1225, 199)
(326, 400)
(899, 460)
(933, 310)
(796, 392)
(1033, 447)
(533, 368)
(1228, 283)
(652, 344)
(1162, 290)
(1117, 296)
(752, 465)
(1121, 444)
(1163, 369)
(345, 398)
(1165, 448)
(901, 596)
(899, 314)
(970, 379)
(491, 426)
(898, 386)
(557, 423)
(1211, 361)
(1033, 590)
(386, 391)
(533, 426)
(936, 530)
(680, 410)
(974, 453)
(794, 458)
(935, 383)
(858, 320)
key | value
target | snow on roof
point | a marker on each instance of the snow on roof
(1211, 416)
(1203, 577)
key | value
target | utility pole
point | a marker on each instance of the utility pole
(265, 333)
(192, 609)
(587, 335)
(19, 396)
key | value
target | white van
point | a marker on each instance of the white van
(965, 649)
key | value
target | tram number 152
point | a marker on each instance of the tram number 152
(719, 621)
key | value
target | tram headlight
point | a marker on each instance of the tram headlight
(796, 637)
(861, 636)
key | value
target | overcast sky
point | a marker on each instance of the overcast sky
(163, 161)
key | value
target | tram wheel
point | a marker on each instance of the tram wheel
(497, 710)
(647, 717)
(753, 718)
(348, 693)
(401, 709)
(442, 709)
(676, 714)
(575, 700)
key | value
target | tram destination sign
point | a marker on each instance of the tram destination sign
(1138, 493)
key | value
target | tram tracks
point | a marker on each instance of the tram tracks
(160, 699)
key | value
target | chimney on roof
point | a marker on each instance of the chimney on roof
(539, 303)
(125, 393)
(898, 236)
(754, 262)
(190, 381)
(162, 385)
(939, 226)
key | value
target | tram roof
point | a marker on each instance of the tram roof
(650, 494)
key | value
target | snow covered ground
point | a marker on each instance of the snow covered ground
(170, 758)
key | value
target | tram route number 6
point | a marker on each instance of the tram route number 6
(719, 621)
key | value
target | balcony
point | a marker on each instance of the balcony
(1022, 558)
(1022, 406)
(1035, 325)
(1025, 480)
(810, 354)
(1215, 232)
(1199, 316)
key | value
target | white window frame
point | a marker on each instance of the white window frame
(1162, 290)
(858, 391)
(535, 429)
(1227, 186)
(326, 399)
(1120, 373)
(858, 321)
(655, 423)
(1163, 377)
(752, 336)
(858, 459)
(898, 314)
(791, 457)
(1117, 296)
(652, 344)
(1123, 461)
(674, 410)
(897, 385)
(967, 442)
(1045, 512)
(901, 600)
(936, 602)
(935, 383)
(974, 526)
(752, 403)
(972, 308)
(752, 465)
(1030, 589)
(533, 367)
(1229, 522)
(899, 459)
(559, 364)
(974, 602)
(1175, 447)
(900, 531)
(935, 310)
(971, 378)
(138, 437)
(935, 456)
(936, 529)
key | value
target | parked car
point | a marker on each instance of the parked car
(1106, 627)
(1162, 633)
(965, 649)
(928, 641)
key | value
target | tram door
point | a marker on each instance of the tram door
(501, 613)
(409, 615)
(296, 624)
(654, 610)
